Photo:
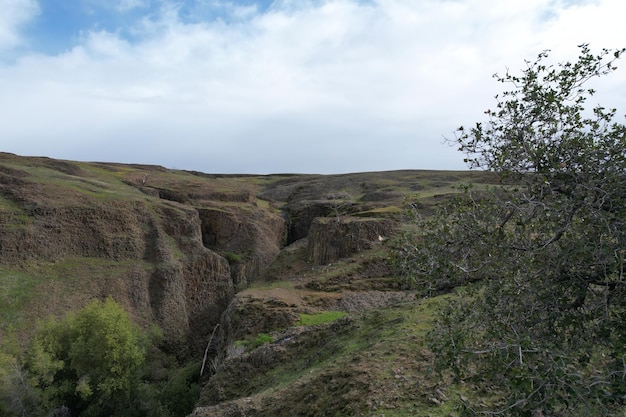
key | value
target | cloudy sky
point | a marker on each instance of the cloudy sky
(245, 86)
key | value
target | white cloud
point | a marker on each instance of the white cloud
(125, 5)
(330, 86)
(598, 23)
(15, 13)
(122, 6)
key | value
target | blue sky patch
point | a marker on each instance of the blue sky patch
(61, 24)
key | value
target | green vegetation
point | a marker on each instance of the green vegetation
(18, 216)
(320, 318)
(104, 187)
(16, 290)
(168, 389)
(20, 288)
(260, 339)
(232, 257)
(539, 324)
(369, 364)
(89, 361)
(94, 362)
(263, 285)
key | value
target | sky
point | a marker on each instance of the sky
(285, 86)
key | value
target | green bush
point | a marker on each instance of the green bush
(95, 362)
(181, 391)
(89, 361)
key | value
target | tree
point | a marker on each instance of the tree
(16, 395)
(542, 317)
(88, 362)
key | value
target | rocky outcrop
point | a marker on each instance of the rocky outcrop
(107, 230)
(250, 239)
(245, 385)
(176, 245)
(300, 215)
(166, 260)
(333, 238)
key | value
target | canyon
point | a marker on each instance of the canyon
(215, 261)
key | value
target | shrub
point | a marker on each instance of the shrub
(88, 361)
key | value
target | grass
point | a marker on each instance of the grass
(9, 205)
(263, 204)
(261, 285)
(260, 339)
(17, 289)
(344, 272)
(15, 217)
(345, 219)
(22, 290)
(383, 210)
(320, 318)
(93, 183)
(374, 363)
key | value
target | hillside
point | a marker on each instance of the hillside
(285, 277)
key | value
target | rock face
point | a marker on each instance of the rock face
(172, 247)
(300, 216)
(166, 258)
(331, 239)
(249, 238)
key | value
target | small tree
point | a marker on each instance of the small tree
(544, 320)
(89, 361)
(17, 397)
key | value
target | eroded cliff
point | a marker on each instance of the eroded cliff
(78, 231)
(258, 255)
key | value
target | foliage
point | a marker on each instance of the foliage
(174, 391)
(542, 319)
(16, 394)
(181, 393)
(89, 361)
(92, 363)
